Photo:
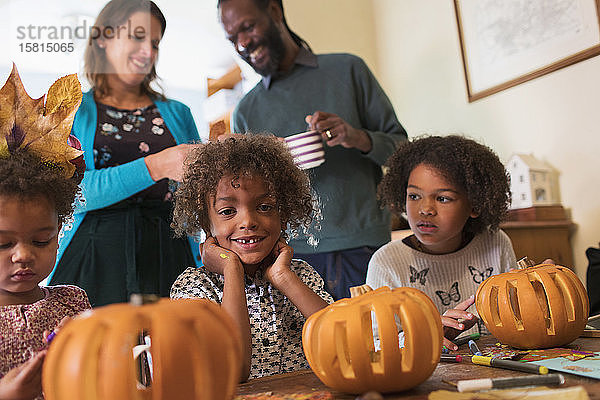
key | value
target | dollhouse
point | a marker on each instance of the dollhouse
(533, 182)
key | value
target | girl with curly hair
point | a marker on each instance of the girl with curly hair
(455, 192)
(244, 192)
(40, 169)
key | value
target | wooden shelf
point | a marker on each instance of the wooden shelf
(539, 240)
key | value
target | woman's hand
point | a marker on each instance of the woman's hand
(279, 272)
(336, 131)
(225, 136)
(458, 320)
(217, 259)
(25, 381)
(169, 163)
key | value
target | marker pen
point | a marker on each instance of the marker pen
(50, 337)
(465, 339)
(451, 358)
(472, 385)
(510, 364)
(474, 349)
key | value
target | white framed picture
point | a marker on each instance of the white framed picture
(505, 43)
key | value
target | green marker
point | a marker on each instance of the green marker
(465, 339)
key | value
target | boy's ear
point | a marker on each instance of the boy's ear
(474, 213)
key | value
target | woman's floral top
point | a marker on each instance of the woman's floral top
(126, 135)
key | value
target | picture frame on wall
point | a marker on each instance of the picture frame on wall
(505, 43)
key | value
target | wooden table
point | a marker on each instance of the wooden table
(306, 382)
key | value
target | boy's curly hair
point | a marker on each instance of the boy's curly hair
(25, 176)
(465, 163)
(259, 155)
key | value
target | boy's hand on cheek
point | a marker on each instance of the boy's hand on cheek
(279, 271)
(458, 320)
(217, 259)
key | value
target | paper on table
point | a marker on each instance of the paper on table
(588, 367)
(541, 393)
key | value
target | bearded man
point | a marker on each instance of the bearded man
(337, 95)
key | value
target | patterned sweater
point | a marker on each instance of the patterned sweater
(22, 326)
(447, 279)
(275, 322)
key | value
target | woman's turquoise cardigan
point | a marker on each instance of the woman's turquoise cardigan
(107, 186)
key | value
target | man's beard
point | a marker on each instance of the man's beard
(276, 51)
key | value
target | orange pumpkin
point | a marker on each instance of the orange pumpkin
(339, 346)
(536, 307)
(195, 352)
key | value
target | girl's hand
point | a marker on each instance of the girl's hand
(25, 381)
(279, 272)
(457, 320)
(56, 329)
(169, 163)
(336, 131)
(217, 259)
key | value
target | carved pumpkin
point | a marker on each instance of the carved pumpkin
(532, 308)
(339, 346)
(195, 353)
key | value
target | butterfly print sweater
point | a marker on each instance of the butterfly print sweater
(447, 279)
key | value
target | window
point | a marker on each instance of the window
(540, 194)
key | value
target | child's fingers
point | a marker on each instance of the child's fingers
(32, 369)
(205, 246)
(62, 323)
(465, 304)
(452, 323)
(459, 314)
(209, 240)
(283, 246)
(283, 252)
(449, 345)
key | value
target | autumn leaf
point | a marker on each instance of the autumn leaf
(26, 123)
(65, 93)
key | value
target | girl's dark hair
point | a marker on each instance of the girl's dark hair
(262, 156)
(115, 13)
(262, 5)
(25, 176)
(470, 166)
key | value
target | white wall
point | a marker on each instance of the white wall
(336, 26)
(555, 117)
(193, 47)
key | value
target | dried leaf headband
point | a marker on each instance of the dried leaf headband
(42, 127)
